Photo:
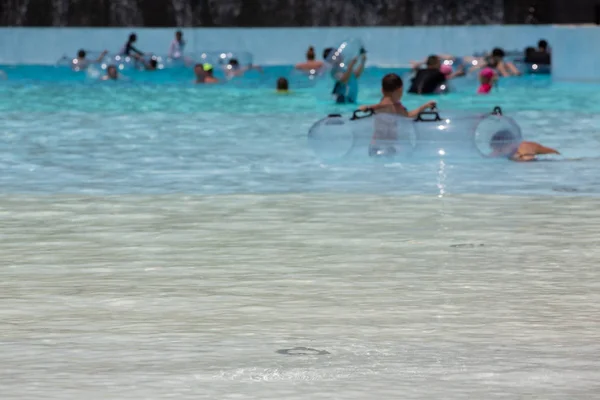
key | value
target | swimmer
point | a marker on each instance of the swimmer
(209, 74)
(311, 65)
(428, 80)
(282, 86)
(392, 89)
(233, 68)
(82, 62)
(503, 146)
(177, 46)
(205, 73)
(445, 69)
(345, 89)
(496, 61)
(128, 48)
(541, 55)
(152, 65)
(487, 78)
(111, 73)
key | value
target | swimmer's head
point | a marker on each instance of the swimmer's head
(433, 62)
(543, 45)
(132, 38)
(81, 53)
(179, 36)
(498, 54)
(153, 63)
(392, 86)
(112, 72)
(310, 54)
(503, 143)
(208, 69)
(234, 63)
(199, 71)
(529, 51)
(327, 52)
(282, 85)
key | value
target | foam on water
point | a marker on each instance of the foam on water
(191, 297)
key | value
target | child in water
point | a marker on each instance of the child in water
(487, 78)
(503, 145)
(282, 86)
(386, 129)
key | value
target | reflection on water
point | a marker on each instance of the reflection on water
(191, 297)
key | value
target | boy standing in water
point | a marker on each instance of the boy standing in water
(392, 91)
(386, 129)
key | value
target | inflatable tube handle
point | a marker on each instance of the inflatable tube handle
(433, 112)
(497, 111)
(368, 113)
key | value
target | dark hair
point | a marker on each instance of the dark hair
(234, 62)
(391, 82)
(132, 37)
(179, 33)
(498, 52)
(81, 53)
(282, 84)
(542, 44)
(310, 53)
(432, 61)
(529, 51)
(153, 63)
(326, 52)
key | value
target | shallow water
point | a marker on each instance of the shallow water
(191, 297)
(161, 240)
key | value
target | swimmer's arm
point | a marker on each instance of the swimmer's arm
(502, 69)
(513, 69)
(459, 72)
(476, 67)
(348, 73)
(132, 48)
(416, 65)
(416, 112)
(101, 56)
(361, 67)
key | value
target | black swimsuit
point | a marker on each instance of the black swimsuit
(129, 48)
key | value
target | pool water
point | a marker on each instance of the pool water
(161, 239)
(160, 133)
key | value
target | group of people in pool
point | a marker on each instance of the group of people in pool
(431, 75)
(204, 72)
(502, 143)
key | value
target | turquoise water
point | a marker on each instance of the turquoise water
(159, 133)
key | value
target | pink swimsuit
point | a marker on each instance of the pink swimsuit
(484, 88)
